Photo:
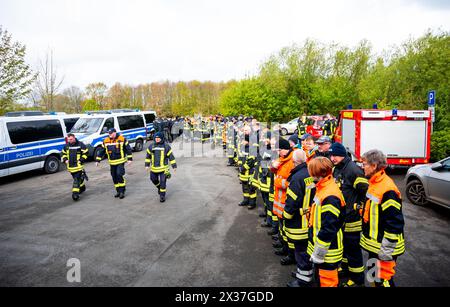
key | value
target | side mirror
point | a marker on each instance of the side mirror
(104, 130)
(437, 166)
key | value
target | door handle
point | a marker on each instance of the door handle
(1, 149)
(14, 147)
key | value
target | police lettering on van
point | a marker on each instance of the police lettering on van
(29, 143)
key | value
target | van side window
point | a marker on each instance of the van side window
(109, 123)
(130, 122)
(33, 131)
(150, 118)
(70, 122)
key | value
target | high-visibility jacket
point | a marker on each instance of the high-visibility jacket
(117, 150)
(326, 220)
(300, 196)
(246, 163)
(353, 184)
(301, 128)
(383, 217)
(310, 154)
(76, 155)
(159, 155)
(281, 184)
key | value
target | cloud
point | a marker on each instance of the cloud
(140, 41)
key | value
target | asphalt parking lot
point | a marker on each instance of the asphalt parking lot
(199, 237)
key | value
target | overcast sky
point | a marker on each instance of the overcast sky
(141, 41)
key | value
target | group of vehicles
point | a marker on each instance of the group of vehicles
(34, 141)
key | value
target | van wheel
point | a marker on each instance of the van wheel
(52, 165)
(139, 145)
(296, 132)
(284, 131)
(416, 193)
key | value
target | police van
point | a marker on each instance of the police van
(150, 117)
(31, 142)
(93, 128)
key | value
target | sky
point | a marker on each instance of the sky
(143, 41)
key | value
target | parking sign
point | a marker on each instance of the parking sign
(431, 98)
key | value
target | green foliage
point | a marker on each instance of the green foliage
(318, 79)
(90, 105)
(440, 145)
(16, 76)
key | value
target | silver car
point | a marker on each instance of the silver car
(429, 183)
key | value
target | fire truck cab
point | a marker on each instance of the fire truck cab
(403, 136)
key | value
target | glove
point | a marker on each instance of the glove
(386, 250)
(319, 253)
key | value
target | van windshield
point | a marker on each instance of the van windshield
(87, 125)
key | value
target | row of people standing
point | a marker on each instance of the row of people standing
(322, 208)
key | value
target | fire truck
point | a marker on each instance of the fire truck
(404, 136)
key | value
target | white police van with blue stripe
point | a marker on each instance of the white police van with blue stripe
(31, 142)
(150, 117)
(93, 128)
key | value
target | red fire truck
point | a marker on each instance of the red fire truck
(403, 135)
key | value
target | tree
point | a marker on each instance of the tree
(48, 82)
(97, 92)
(16, 77)
(75, 98)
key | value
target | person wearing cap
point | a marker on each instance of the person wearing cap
(353, 184)
(324, 144)
(159, 156)
(282, 168)
(303, 139)
(118, 151)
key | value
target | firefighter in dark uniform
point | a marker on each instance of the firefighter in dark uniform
(118, 151)
(300, 196)
(266, 154)
(383, 223)
(159, 156)
(231, 143)
(324, 145)
(74, 154)
(246, 168)
(353, 184)
(302, 125)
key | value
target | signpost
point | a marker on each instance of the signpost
(432, 106)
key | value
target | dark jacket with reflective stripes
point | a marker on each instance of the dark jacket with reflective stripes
(159, 156)
(76, 155)
(117, 150)
(353, 184)
(300, 196)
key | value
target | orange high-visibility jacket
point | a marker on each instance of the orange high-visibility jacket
(281, 184)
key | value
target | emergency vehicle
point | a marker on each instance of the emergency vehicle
(404, 136)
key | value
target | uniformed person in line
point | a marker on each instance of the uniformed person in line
(159, 158)
(74, 154)
(246, 164)
(383, 222)
(353, 184)
(300, 196)
(326, 220)
(118, 151)
(264, 176)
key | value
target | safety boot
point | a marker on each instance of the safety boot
(251, 207)
(271, 232)
(265, 224)
(82, 189)
(281, 252)
(243, 204)
(288, 260)
(75, 197)
(277, 244)
(162, 199)
(351, 284)
(121, 195)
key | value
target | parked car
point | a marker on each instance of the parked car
(289, 128)
(429, 183)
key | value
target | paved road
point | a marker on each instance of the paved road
(199, 237)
